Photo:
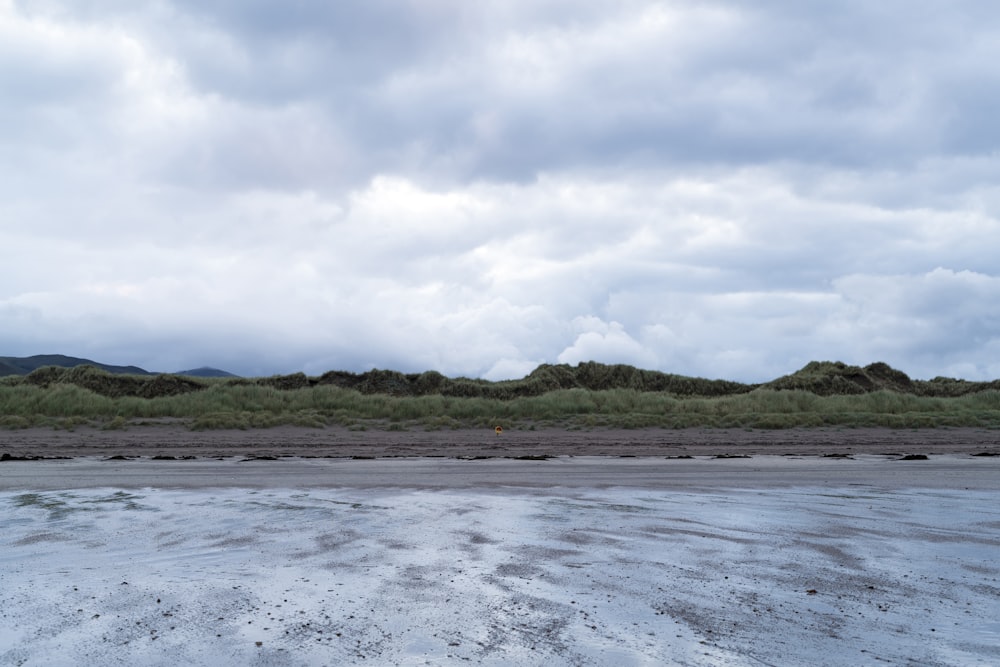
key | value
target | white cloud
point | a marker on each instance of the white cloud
(726, 190)
(700, 278)
(606, 342)
(942, 316)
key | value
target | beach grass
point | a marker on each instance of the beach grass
(227, 405)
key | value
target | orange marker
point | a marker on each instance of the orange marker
(499, 430)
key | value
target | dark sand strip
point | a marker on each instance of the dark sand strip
(174, 439)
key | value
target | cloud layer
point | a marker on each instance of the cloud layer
(717, 189)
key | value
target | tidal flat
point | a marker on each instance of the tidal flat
(834, 573)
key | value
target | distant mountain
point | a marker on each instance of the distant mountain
(206, 372)
(25, 365)
(7, 368)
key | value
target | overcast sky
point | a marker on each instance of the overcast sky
(721, 189)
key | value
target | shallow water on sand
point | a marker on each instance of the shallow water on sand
(801, 575)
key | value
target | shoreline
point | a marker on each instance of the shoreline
(175, 440)
(506, 475)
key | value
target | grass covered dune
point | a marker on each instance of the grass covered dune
(589, 395)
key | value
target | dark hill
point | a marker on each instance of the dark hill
(824, 378)
(590, 375)
(113, 385)
(24, 365)
(206, 372)
(832, 378)
(829, 378)
(596, 377)
(8, 368)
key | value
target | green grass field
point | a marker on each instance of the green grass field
(65, 398)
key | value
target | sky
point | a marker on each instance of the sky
(723, 189)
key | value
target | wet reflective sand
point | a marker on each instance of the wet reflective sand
(575, 561)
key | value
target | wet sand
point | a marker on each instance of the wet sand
(833, 575)
(298, 547)
(949, 471)
(177, 441)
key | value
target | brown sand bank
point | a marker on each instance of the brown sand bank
(175, 440)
